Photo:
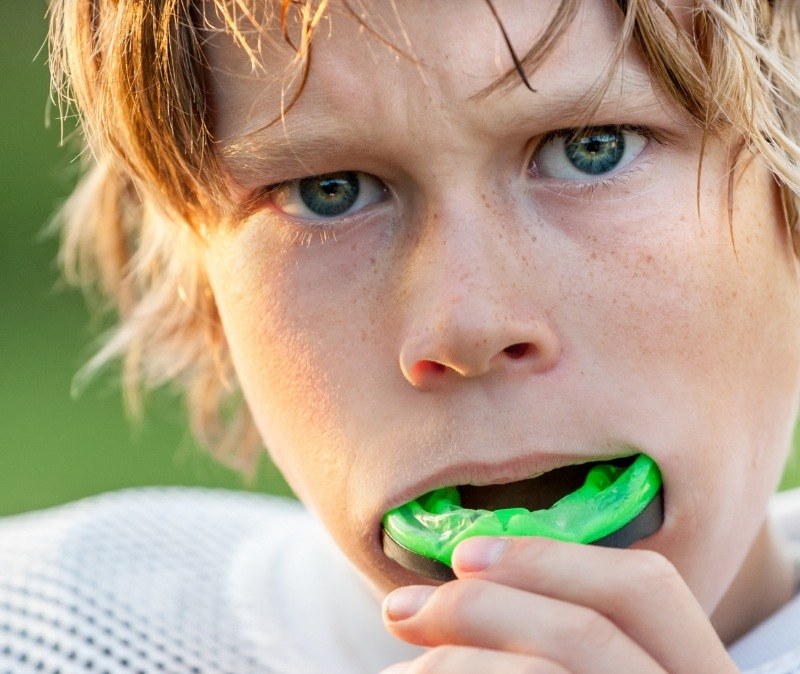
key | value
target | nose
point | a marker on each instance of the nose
(473, 310)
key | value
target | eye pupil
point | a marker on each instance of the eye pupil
(331, 194)
(597, 151)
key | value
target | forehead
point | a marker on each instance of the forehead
(406, 57)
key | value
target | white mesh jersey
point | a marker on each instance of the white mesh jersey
(183, 581)
(190, 581)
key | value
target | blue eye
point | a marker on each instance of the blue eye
(594, 152)
(330, 195)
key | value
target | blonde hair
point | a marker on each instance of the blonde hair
(134, 72)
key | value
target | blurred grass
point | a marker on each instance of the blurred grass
(53, 448)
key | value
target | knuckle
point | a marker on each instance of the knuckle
(459, 597)
(537, 548)
(594, 630)
(656, 569)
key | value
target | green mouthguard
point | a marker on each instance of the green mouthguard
(610, 498)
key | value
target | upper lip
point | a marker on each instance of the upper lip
(481, 473)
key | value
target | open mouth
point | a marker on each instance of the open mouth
(536, 493)
(608, 503)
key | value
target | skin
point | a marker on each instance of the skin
(374, 354)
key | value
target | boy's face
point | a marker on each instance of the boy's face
(497, 302)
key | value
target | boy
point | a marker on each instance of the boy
(437, 248)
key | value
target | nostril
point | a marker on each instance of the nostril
(517, 350)
(423, 367)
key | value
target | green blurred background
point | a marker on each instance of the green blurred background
(54, 448)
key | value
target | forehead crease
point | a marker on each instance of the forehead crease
(438, 49)
(342, 84)
(548, 37)
(343, 70)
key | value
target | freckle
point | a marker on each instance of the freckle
(372, 261)
(353, 246)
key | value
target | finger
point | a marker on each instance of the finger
(638, 590)
(460, 659)
(483, 614)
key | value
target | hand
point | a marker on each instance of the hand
(536, 606)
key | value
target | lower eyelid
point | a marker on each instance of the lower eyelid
(298, 230)
(613, 185)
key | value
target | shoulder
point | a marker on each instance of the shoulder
(131, 581)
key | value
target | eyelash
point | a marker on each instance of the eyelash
(646, 131)
(590, 190)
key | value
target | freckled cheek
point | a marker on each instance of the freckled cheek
(285, 389)
(679, 296)
(304, 341)
(666, 315)
(658, 314)
(703, 347)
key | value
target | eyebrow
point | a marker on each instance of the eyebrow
(633, 84)
(289, 147)
(278, 148)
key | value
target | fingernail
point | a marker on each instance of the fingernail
(406, 601)
(478, 554)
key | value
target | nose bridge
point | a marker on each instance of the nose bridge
(464, 265)
(472, 300)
